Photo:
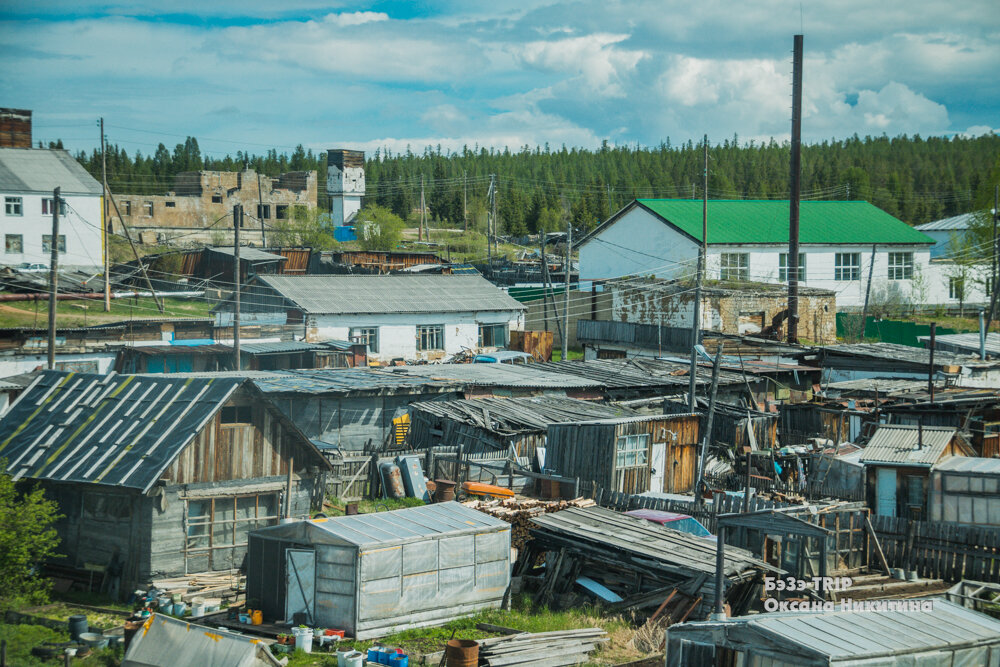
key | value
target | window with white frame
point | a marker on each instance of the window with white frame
(783, 267)
(900, 266)
(492, 335)
(956, 287)
(734, 266)
(632, 451)
(13, 206)
(14, 244)
(367, 336)
(430, 337)
(847, 266)
(47, 206)
(47, 243)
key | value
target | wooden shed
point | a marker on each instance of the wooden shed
(629, 454)
(898, 462)
(159, 475)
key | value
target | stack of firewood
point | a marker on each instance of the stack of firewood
(519, 511)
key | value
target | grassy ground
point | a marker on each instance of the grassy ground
(89, 312)
(572, 354)
(521, 617)
(368, 506)
(22, 638)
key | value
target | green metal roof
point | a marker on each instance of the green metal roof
(766, 221)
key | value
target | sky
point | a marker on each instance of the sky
(257, 74)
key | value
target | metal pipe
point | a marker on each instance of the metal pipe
(930, 367)
(720, 574)
(53, 279)
(982, 335)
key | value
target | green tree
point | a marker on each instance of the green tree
(378, 228)
(27, 539)
(306, 227)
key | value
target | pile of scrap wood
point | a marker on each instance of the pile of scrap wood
(542, 649)
(222, 585)
(518, 512)
(631, 563)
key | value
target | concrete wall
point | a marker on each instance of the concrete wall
(728, 311)
(93, 362)
(80, 225)
(398, 331)
(189, 214)
(581, 306)
(974, 277)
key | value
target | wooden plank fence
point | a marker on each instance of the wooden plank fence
(940, 550)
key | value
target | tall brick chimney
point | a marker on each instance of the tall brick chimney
(15, 128)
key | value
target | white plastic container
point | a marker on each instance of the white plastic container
(352, 659)
(197, 607)
(303, 639)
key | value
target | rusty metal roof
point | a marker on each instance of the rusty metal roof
(895, 444)
(119, 430)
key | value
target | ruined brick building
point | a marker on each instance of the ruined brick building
(195, 211)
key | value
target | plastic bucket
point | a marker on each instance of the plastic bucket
(352, 659)
(180, 608)
(462, 653)
(303, 639)
(342, 656)
(164, 602)
(373, 653)
(399, 660)
(94, 640)
(77, 626)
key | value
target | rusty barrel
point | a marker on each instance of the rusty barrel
(444, 490)
(462, 653)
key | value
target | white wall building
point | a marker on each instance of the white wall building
(345, 184)
(748, 241)
(413, 317)
(948, 234)
(27, 179)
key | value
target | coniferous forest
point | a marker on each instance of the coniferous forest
(915, 179)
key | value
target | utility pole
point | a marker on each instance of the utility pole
(237, 223)
(496, 224)
(491, 195)
(142, 267)
(993, 274)
(868, 292)
(260, 213)
(567, 275)
(702, 257)
(53, 279)
(706, 440)
(106, 226)
(796, 193)
(465, 202)
(545, 281)
(420, 225)
(930, 367)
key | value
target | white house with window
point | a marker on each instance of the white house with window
(411, 317)
(841, 244)
(27, 178)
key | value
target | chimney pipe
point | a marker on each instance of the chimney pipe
(920, 434)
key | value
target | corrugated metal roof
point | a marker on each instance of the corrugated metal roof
(496, 375)
(250, 254)
(847, 635)
(957, 222)
(279, 347)
(385, 528)
(165, 641)
(965, 342)
(513, 415)
(970, 464)
(391, 294)
(42, 170)
(636, 372)
(644, 538)
(897, 445)
(345, 380)
(766, 221)
(895, 352)
(120, 430)
(177, 350)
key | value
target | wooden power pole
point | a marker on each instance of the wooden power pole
(792, 264)
(237, 223)
(105, 225)
(53, 279)
(702, 257)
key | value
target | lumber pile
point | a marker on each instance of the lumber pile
(518, 512)
(212, 584)
(542, 649)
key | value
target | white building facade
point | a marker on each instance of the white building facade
(27, 179)
(661, 238)
(409, 317)
(345, 184)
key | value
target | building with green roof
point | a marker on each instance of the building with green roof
(748, 241)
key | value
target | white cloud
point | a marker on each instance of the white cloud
(593, 58)
(355, 18)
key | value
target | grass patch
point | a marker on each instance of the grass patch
(87, 312)
(368, 506)
(22, 638)
(572, 353)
